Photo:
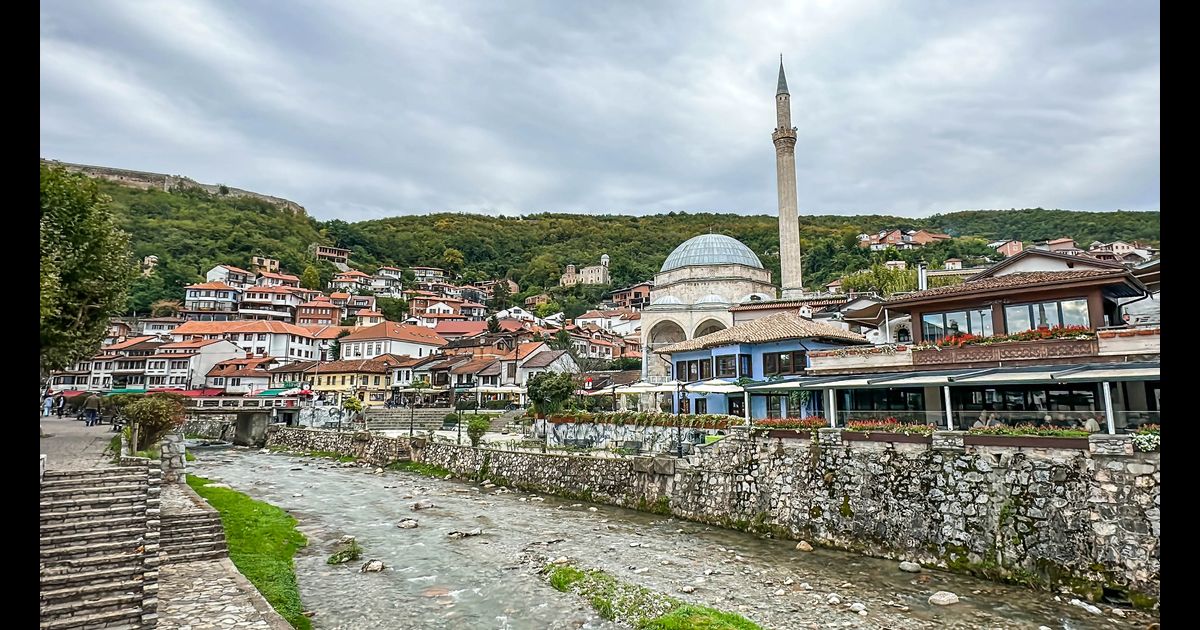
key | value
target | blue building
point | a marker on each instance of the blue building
(771, 348)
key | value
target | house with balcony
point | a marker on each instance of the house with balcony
(336, 255)
(210, 302)
(356, 303)
(631, 297)
(242, 375)
(350, 281)
(292, 375)
(473, 311)
(388, 282)
(262, 263)
(429, 274)
(369, 380)
(275, 303)
(233, 276)
(270, 279)
(365, 318)
(323, 337)
(183, 365)
(159, 326)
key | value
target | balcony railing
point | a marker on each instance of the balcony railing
(1128, 341)
(860, 357)
(1007, 351)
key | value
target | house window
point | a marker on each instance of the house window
(935, 326)
(774, 406)
(705, 369)
(744, 366)
(727, 366)
(1022, 317)
(701, 405)
(778, 363)
(343, 379)
(235, 381)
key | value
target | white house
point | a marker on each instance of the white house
(211, 301)
(286, 342)
(241, 375)
(158, 326)
(272, 302)
(391, 338)
(233, 276)
(271, 279)
(516, 312)
(184, 364)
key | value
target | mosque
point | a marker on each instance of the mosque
(708, 274)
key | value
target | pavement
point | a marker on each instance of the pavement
(69, 445)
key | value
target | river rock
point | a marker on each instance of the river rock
(688, 589)
(806, 586)
(1086, 606)
(780, 593)
(803, 546)
(423, 504)
(943, 598)
(378, 471)
(407, 523)
(858, 607)
(466, 534)
(833, 599)
(1117, 612)
(261, 452)
(372, 566)
(910, 567)
(560, 560)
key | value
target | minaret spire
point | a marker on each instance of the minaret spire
(785, 173)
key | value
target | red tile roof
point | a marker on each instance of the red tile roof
(368, 313)
(190, 343)
(256, 326)
(220, 286)
(398, 332)
(121, 345)
(319, 331)
(280, 276)
(1009, 281)
(338, 295)
(356, 366)
(243, 367)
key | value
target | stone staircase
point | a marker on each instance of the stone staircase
(99, 548)
(428, 419)
(195, 536)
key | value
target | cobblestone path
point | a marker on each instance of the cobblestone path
(211, 594)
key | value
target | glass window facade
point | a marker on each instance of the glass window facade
(1022, 317)
(936, 326)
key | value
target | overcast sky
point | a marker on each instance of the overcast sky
(362, 109)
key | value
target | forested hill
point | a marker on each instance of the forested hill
(191, 231)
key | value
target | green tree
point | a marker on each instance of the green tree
(549, 390)
(311, 278)
(453, 260)
(154, 416)
(393, 309)
(335, 348)
(477, 425)
(493, 324)
(561, 340)
(546, 309)
(501, 298)
(86, 268)
(165, 308)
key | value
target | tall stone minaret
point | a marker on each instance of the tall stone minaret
(785, 173)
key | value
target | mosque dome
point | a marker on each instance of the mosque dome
(711, 249)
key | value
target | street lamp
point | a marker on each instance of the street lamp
(678, 420)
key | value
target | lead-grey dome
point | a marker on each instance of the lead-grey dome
(711, 249)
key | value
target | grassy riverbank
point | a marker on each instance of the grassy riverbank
(641, 607)
(262, 542)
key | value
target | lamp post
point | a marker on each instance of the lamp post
(678, 420)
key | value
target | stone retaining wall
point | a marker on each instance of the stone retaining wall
(1087, 520)
(213, 428)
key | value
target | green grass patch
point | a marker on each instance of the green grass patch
(700, 618)
(640, 607)
(187, 456)
(262, 541)
(428, 470)
(333, 455)
(347, 553)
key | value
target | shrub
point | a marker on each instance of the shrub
(889, 425)
(155, 416)
(462, 404)
(352, 404)
(1146, 439)
(476, 427)
(450, 417)
(1029, 429)
(810, 422)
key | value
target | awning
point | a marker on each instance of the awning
(70, 393)
(1110, 372)
(125, 391)
(714, 386)
(271, 392)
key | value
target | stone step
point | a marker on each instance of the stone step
(94, 473)
(181, 545)
(174, 551)
(95, 491)
(116, 558)
(93, 589)
(131, 616)
(66, 505)
(198, 534)
(75, 516)
(128, 533)
(87, 577)
(92, 604)
(88, 482)
(192, 556)
(94, 525)
(90, 550)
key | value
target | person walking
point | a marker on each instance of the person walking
(91, 410)
(60, 405)
(46, 405)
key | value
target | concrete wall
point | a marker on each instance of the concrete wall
(1086, 520)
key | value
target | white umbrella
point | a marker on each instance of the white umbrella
(714, 386)
(640, 387)
(669, 386)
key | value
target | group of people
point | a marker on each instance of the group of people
(57, 404)
(1089, 424)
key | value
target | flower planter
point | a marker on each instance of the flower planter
(1146, 332)
(1106, 335)
(1127, 333)
(1026, 441)
(884, 436)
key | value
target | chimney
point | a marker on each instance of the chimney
(249, 355)
(922, 277)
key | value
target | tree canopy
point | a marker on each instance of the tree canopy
(86, 268)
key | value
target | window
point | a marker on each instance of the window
(705, 369)
(935, 326)
(262, 336)
(1022, 317)
(247, 337)
(235, 381)
(774, 406)
(343, 379)
(701, 405)
(775, 363)
(744, 365)
(727, 366)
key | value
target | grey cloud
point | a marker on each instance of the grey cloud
(367, 109)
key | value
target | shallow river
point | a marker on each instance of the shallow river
(489, 581)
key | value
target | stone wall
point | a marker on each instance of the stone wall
(173, 455)
(219, 428)
(1084, 519)
(654, 439)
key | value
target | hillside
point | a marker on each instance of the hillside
(192, 230)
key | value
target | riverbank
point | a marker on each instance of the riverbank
(495, 579)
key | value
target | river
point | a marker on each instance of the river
(490, 581)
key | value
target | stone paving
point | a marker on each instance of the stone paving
(211, 595)
(177, 499)
(73, 446)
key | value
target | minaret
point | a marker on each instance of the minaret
(785, 173)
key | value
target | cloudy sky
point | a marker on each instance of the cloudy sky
(361, 109)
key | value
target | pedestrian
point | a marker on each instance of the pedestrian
(91, 410)
(1091, 426)
(46, 405)
(60, 405)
